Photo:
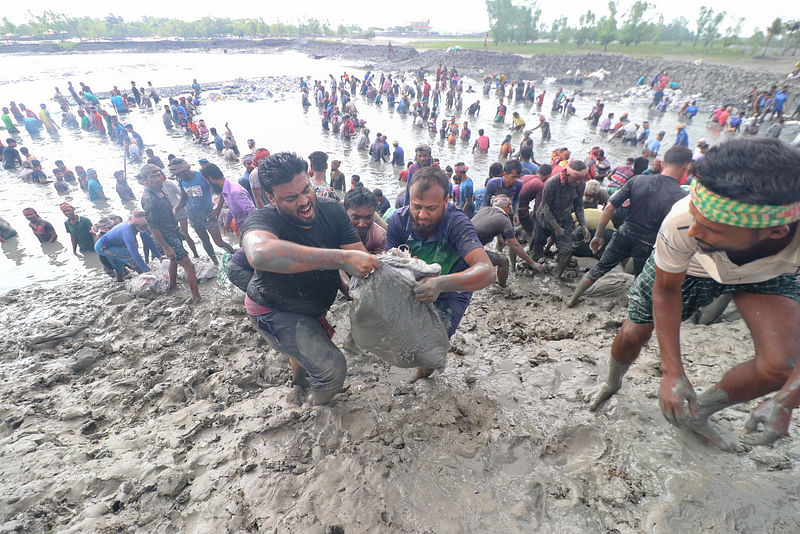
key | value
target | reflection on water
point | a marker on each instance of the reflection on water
(274, 119)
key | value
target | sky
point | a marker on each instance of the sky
(462, 16)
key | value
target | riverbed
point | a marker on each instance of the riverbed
(131, 415)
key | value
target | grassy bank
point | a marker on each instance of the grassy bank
(663, 49)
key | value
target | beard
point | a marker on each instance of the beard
(426, 229)
(294, 218)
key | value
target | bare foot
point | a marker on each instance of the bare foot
(602, 394)
(422, 372)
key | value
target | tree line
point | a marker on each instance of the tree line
(521, 22)
(52, 25)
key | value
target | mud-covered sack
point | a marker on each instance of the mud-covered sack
(610, 285)
(387, 321)
(204, 270)
(152, 283)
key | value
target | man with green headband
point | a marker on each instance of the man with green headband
(735, 234)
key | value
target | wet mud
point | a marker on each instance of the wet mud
(120, 414)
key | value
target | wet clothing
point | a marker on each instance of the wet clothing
(95, 189)
(495, 186)
(198, 198)
(697, 292)
(124, 191)
(238, 200)
(454, 238)
(81, 231)
(308, 293)
(43, 230)
(491, 221)
(120, 247)
(11, 158)
(466, 192)
(6, 230)
(158, 211)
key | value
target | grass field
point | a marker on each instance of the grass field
(663, 49)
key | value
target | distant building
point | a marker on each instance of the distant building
(422, 26)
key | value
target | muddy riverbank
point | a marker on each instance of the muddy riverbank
(121, 414)
(710, 82)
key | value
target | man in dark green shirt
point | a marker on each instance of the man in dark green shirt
(79, 230)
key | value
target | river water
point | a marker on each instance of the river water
(265, 106)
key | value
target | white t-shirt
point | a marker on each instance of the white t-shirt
(676, 252)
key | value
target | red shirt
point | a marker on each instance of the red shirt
(532, 187)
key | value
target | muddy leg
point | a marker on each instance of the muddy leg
(624, 351)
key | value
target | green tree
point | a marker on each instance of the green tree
(509, 22)
(706, 14)
(607, 27)
(791, 34)
(711, 29)
(634, 29)
(587, 31)
(774, 29)
(732, 32)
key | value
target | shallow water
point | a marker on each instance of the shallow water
(267, 110)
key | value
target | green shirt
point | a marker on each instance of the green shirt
(80, 231)
(9, 124)
(85, 124)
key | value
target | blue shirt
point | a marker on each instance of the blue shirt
(398, 157)
(495, 185)
(654, 145)
(682, 139)
(119, 104)
(466, 191)
(32, 125)
(528, 167)
(198, 193)
(124, 235)
(219, 143)
(95, 189)
(691, 111)
(780, 98)
(479, 194)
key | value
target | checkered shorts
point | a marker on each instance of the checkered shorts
(698, 292)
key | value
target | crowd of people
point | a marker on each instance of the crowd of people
(695, 226)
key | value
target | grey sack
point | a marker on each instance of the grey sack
(388, 322)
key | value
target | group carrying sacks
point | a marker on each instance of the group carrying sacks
(387, 321)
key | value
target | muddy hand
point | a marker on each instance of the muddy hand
(768, 422)
(675, 395)
(427, 289)
(360, 264)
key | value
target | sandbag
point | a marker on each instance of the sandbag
(387, 321)
(152, 283)
(204, 270)
(610, 285)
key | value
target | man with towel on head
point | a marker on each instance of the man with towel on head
(736, 233)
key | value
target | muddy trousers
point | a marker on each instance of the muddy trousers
(304, 339)
(618, 249)
(541, 231)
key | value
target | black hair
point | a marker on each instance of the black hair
(480, 131)
(756, 171)
(318, 160)
(59, 162)
(545, 169)
(359, 197)
(211, 171)
(280, 168)
(57, 170)
(428, 177)
(377, 193)
(213, 131)
(678, 155)
(640, 165)
(512, 165)
(526, 153)
(495, 169)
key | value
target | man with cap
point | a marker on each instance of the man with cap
(42, 229)
(422, 155)
(164, 227)
(120, 248)
(736, 233)
(79, 229)
(682, 138)
(196, 196)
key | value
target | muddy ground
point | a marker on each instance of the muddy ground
(130, 415)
